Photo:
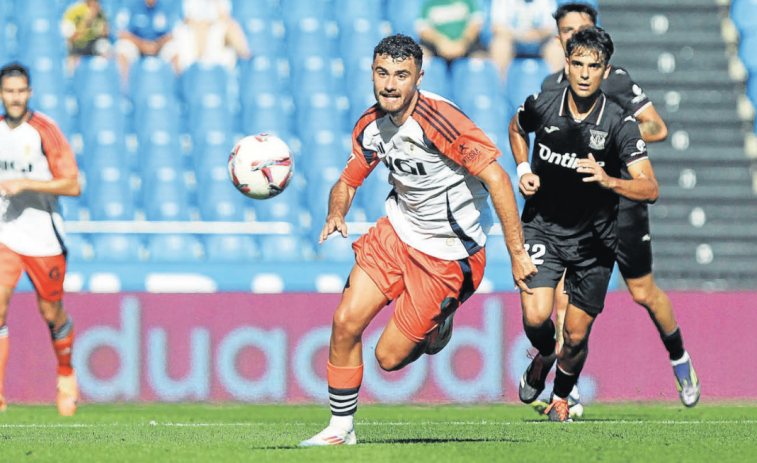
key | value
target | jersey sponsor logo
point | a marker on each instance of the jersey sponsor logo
(551, 129)
(405, 166)
(597, 140)
(468, 154)
(569, 160)
(13, 165)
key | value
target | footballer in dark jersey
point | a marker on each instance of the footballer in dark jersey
(634, 251)
(572, 186)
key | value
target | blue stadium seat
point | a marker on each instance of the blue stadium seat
(78, 248)
(158, 116)
(524, 78)
(267, 113)
(174, 248)
(284, 209)
(54, 106)
(489, 114)
(372, 194)
(164, 195)
(260, 75)
(311, 37)
(70, 207)
(748, 51)
(203, 82)
(281, 248)
(402, 15)
(337, 248)
(211, 149)
(40, 36)
(211, 115)
(262, 24)
(744, 16)
(475, 77)
(110, 201)
(48, 75)
(160, 150)
(436, 78)
(496, 250)
(231, 248)
(114, 247)
(358, 38)
(348, 11)
(319, 113)
(150, 76)
(294, 11)
(218, 200)
(312, 74)
(94, 76)
(751, 88)
(103, 112)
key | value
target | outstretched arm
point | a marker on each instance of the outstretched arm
(503, 200)
(340, 201)
(56, 186)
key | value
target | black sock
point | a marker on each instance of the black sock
(542, 337)
(343, 401)
(564, 383)
(674, 344)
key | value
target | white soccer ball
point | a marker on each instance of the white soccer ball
(261, 166)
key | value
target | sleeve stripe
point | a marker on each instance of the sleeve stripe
(439, 115)
(641, 110)
(643, 158)
(422, 114)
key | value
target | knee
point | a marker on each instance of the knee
(344, 325)
(643, 295)
(49, 310)
(574, 338)
(387, 360)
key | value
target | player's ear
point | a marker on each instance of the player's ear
(607, 71)
(420, 78)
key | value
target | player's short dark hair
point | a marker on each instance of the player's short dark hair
(591, 38)
(14, 70)
(576, 7)
(399, 46)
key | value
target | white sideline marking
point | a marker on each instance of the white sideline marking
(375, 423)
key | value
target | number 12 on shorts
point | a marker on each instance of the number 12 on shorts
(536, 251)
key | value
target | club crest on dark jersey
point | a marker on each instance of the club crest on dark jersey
(598, 138)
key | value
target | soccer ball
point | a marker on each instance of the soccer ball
(261, 166)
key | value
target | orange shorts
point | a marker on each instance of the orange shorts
(46, 272)
(427, 289)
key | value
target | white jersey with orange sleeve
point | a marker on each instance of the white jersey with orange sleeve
(31, 224)
(437, 205)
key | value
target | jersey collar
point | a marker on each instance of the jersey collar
(595, 117)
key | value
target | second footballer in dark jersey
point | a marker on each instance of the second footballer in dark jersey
(634, 254)
(579, 217)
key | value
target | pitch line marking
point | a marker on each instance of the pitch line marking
(373, 423)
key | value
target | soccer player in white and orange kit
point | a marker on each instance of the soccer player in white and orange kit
(36, 166)
(428, 254)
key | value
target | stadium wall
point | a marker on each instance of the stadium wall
(144, 347)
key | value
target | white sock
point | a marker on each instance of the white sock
(343, 422)
(681, 360)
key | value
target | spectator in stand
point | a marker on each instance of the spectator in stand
(209, 34)
(86, 30)
(149, 32)
(524, 28)
(451, 29)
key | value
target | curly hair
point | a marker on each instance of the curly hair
(399, 47)
(591, 38)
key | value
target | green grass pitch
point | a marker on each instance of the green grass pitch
(182, 433)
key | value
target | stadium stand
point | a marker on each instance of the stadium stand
(157, 200)
(703, 238)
